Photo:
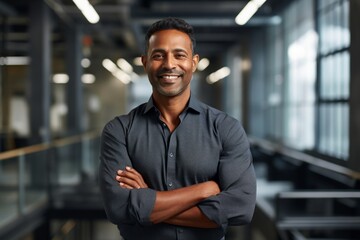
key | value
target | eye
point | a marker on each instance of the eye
(180, 56)
(157, 56)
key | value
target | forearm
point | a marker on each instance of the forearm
(192, 217)
(176, 206)
(169, 204)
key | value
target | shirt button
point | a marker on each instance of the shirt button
(170, 184)
(171, 155)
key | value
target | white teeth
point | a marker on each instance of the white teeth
(170, 77)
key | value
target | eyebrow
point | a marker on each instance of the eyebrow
(174, 50)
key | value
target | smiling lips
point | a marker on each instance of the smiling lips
(169, 77)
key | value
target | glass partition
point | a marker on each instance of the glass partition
(28, 176)
(9, 190)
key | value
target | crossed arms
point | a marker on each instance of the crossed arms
(177, 206)
(130, 200)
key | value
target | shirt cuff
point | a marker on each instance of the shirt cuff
(142, 202)
(211, 208)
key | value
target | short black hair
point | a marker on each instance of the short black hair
(171, 23)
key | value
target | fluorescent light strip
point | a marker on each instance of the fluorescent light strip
(248, 11)
(124, 65)
(63, 78)
(87, 10)
(218, 75)
(115, 71)
(60, 78)
(137, 61)
(14, 60)
(203, 63)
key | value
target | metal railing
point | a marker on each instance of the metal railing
(303, 157)
(29, 174)
(310, 209)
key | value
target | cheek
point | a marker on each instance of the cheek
(189, 67)
(151, 68)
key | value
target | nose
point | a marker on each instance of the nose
(169, 62)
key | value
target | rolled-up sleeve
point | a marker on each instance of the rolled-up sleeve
(121, 205)
(236, 203)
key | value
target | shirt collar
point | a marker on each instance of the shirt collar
(193, 104)
(149, 105)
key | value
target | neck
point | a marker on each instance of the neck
(171, 107)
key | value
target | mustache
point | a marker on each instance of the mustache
(171, 71)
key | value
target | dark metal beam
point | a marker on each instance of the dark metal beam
(7, 10)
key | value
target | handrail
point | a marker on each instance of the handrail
(318, 194)
(301, 220)
(44, 146)
(300, 156)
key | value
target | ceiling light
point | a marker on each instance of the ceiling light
(60, 78)
(218, 75)
(115, 71)
(137, 61)
(122, 76)
(203, 63)
(109, 65)
(14, 60)
(85, 62)
(248, 11)
(87, 10)
(259, 2)
(88, 78)
(124, 65)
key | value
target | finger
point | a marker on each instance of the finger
(125, 181)
(129, 175)
(118, 178)
(128, 181)
(130, 169)
(136, 176)
(133, 171)
(126, 186)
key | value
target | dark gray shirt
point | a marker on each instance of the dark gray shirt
(207, 145)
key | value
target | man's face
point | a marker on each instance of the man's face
(169, 62)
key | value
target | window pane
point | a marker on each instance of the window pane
(334, 77)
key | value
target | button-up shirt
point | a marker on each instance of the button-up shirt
(207, 145)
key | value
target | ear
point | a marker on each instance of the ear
(143, 60)
(195, 61)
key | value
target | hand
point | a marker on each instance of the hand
(130, 179)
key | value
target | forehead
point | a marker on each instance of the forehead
(170, 38)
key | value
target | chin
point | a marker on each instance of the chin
(171, 93)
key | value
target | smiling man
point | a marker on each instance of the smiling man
(175, 168)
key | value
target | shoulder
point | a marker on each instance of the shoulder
(221, 119)
(228, 128)
(122, 123)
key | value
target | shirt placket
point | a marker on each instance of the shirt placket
(170, 139)
(170, 156)
(171, 161)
